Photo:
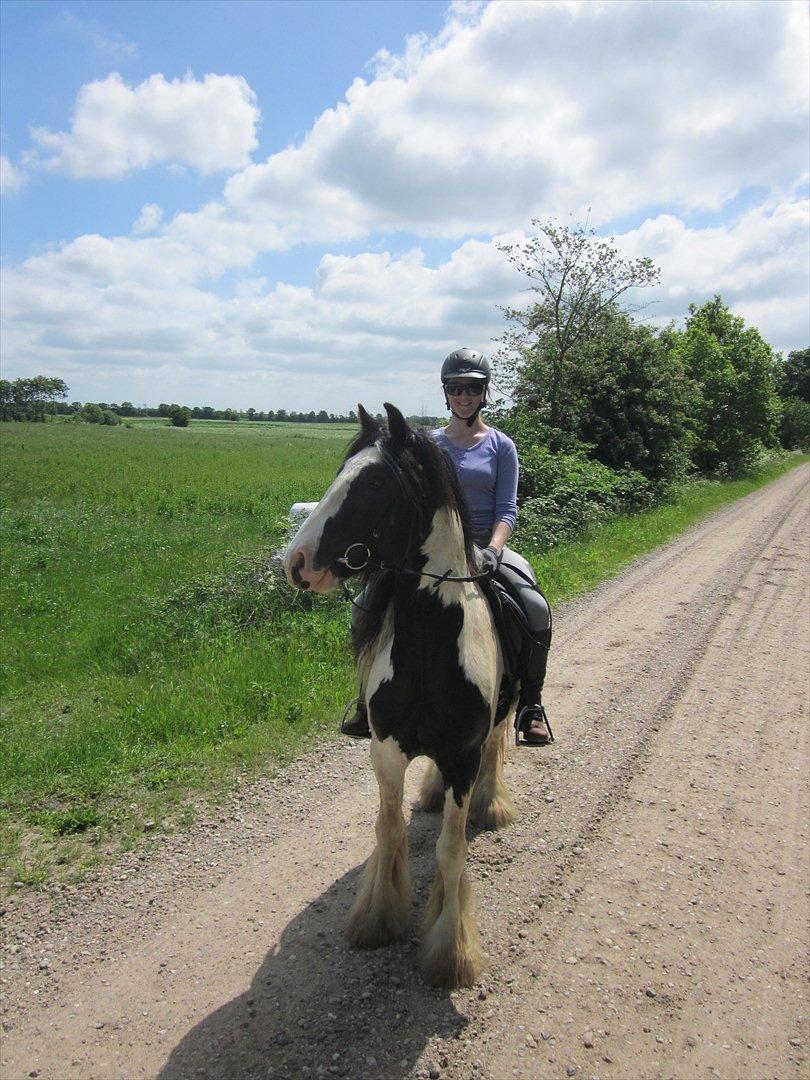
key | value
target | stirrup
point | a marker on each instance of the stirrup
(353, 704)
(519, 722)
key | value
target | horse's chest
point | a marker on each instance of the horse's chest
(435, 680)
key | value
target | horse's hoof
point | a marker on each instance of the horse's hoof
(452, 961)
(495, 815)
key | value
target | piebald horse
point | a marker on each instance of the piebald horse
(429, 668)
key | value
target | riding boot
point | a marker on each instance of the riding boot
(532, 726)
(356, 726)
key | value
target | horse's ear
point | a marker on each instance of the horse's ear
(401, 434)
(370, 426)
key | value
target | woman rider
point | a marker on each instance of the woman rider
(487, 466)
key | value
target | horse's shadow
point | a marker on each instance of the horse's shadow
(315, 1007)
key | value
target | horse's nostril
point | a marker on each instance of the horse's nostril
(296, 569)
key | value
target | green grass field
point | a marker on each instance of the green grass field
(147, 654)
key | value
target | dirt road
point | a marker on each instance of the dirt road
(646, 917)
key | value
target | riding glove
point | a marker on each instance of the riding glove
(490, 559)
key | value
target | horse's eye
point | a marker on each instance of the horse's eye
(376, 483)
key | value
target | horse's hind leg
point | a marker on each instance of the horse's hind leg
(491, 806)
(451, 951)
(381, 910)
(431, 791)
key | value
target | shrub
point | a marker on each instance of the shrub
(91, 413)
(794, 427)
(179, 415)
(565, 493)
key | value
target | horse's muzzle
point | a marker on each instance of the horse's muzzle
(296, 567)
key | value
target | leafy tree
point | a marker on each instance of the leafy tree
(735, 409)
(794, 426)
(632, 399)
(30, 399)
(92, 413)
(793, 376)
(578, 278)
(179, 415)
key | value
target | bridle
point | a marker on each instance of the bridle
(365, 557)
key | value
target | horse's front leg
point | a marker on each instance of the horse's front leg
(451, 950)
(382, 908)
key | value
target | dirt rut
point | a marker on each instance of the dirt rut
(646, 917)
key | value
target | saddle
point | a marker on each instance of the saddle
(514, 635)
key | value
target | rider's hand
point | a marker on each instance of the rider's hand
(490, 559)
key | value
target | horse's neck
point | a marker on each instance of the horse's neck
(444, 544)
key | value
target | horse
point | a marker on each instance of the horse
(429, 667)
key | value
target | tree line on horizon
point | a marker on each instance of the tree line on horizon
(37, 398)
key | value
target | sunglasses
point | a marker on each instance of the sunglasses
(456, 389)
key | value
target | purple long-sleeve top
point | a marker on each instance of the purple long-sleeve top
(488, 473)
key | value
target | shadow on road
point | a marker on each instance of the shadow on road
(316, 1007)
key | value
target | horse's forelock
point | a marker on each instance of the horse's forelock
(358, 443)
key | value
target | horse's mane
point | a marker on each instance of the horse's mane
(428, 473)
(429, 478)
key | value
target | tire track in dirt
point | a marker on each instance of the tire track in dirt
(219, 953)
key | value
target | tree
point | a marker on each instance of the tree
(579, 278)
(179, 415)
(793, 386)
(92, 413)
(632, 399)
(30, 399)
(793, 376)
(735, 409)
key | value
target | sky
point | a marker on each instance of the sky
(300, 204)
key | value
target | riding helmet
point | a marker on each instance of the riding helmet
(467, 363)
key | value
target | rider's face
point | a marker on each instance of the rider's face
(465, 402)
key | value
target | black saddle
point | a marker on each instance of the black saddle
(514, 635)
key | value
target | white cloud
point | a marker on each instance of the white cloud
(523, 109)
(759, 265)
(11, 178)
(209, 125)
(134, 313)
(515, 110)
(149, 220)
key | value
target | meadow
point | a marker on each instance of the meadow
(151, 652)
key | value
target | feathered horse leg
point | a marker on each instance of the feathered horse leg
(491, 806)
(382, 908)
(451, 950)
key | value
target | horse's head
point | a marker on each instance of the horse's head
(373, 510)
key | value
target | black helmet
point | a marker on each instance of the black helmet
(468, 363)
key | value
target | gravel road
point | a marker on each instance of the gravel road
(646, 917)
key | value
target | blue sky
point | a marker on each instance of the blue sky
(279, 204)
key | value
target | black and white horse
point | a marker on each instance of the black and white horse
(429, 668)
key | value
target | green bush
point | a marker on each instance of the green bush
(96, 414)
(794, 427)
(565, 493)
